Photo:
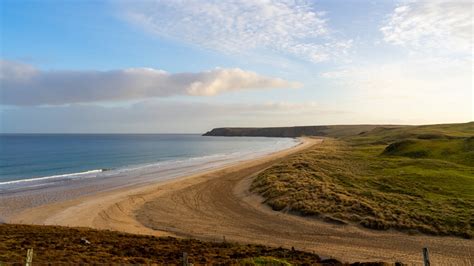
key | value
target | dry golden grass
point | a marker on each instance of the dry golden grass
(343, 181)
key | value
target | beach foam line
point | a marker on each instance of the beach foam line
(78, 174)
(164, 165)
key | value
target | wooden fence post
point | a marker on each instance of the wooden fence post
(29, 257)
(185, 259)
(426, 257)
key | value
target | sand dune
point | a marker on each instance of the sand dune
(217, 204)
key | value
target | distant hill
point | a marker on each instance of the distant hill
(382, 132)
(298, 131)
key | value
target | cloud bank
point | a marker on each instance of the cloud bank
(238, 26)
(437, 25)
(162, 116)
(23, 84)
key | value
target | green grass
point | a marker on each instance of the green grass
(406, 178)
(265, 261)
(457, 150)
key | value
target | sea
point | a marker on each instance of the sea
(32, 161)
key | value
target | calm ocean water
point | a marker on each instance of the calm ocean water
(48, 156)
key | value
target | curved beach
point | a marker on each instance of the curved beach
(216, 203)
(97, 207)
(165, 157)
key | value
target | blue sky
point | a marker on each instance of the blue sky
(187, 66)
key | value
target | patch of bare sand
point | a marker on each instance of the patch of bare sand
(217, 204)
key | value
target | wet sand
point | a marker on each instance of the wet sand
(217, 204)
(63, 206)
(16, 196)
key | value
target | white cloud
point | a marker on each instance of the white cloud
(241, 26)
(436, 26)
(24, 85)
(162, 116)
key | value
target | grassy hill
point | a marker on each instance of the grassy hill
(410, 178)
(64, 245)
(291, 132)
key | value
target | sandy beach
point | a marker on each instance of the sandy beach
(29, 206)
(216, 203)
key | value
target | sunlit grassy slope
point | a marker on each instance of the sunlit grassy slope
(411, 178)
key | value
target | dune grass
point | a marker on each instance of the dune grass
(415, 179)
(264, 261)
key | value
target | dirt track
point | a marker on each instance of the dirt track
(222, 207)
(217, 204)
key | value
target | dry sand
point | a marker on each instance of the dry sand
(217, 204)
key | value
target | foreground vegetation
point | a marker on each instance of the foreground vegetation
(63, 245)
(415, 179)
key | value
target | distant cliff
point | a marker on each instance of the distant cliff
(333, 131)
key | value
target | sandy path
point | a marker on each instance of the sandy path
(223, 207)
(217, 204)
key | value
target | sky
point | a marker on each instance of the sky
(177, 66)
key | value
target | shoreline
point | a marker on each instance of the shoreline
(105, 170)
(217, 203)
(19, 195)
(56, 213)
